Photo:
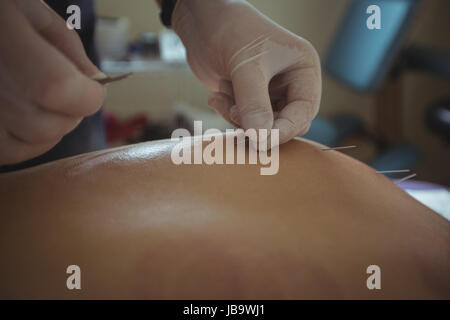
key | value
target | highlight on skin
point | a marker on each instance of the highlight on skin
(140, 226)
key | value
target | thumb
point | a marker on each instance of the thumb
(54, 29)
(251, 93)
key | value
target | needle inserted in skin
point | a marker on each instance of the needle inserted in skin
(406, 178)
(394, 171)
(338, 148)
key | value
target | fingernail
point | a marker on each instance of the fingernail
(234, 114)
(99, 76)
(212, 100)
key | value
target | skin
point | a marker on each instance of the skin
(140, 227)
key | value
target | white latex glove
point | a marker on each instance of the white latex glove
(262, 75)
(45, 85)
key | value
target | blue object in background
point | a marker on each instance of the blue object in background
(330, 133)
(361, 57)
(322, 131)
(402, 156)
(346, 125)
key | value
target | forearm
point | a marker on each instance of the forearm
(195, 19)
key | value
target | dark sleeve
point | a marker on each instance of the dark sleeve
(88, 20)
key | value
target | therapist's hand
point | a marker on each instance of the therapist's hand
(45, 85)
(262, 75)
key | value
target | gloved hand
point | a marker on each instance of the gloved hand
(45, 85)
(262, 75)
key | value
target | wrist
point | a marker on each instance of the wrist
(190, 15)
(199, 10)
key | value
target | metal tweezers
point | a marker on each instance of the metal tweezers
(108, 79)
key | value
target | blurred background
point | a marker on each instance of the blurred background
(399, 118)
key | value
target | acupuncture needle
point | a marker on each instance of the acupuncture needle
(406, 178)
(380, 172)
(338, 148)
(108, 79)
(394, 171)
